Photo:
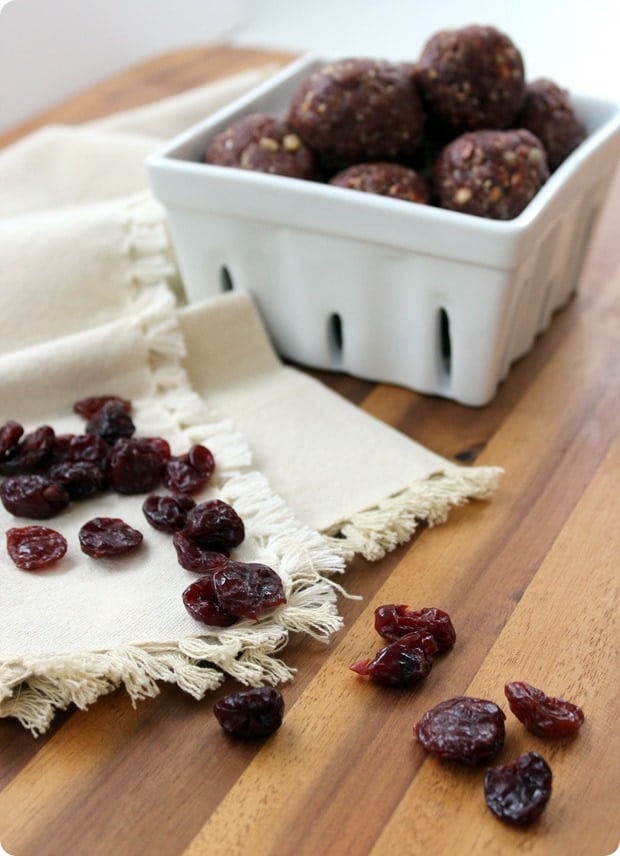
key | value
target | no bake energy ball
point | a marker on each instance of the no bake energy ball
(549, 115)
(263, 143)
(358, 110)
(490, 173)
(471, 78)
(386, 179)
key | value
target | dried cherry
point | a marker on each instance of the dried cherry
(541, 714)
(202, 604)
(167, 513)
(466, 729)
(191, 472)
(215, 525)
(108, 536)
(250, 714)
(10, 434)
(193, 557)
(135, 466)
(87, 408)
(30, 454)
(80, 448)
(404, 662)
(80, 479)
(248, 590)
(518, 792)
(35, 547)
(395, 620)
(112, 422)
(33, 495)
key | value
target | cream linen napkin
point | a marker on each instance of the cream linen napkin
(90, 302)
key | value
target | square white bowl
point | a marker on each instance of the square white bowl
(433, 300)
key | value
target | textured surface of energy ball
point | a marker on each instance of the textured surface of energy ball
(490, 173)
(471, 78)
(385, 179)
(549, 115)
(263, 143)
(357, 110)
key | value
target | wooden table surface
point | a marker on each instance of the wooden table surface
(530, 580)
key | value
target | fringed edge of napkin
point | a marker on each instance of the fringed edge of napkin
(380, 529)
(33, 688)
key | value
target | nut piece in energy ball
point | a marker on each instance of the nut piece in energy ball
(263, 143)
(519, 791)
(464, 729)
(549, 115)
(471, 78)
(250, 714)
(385, 179)
(357, 110)
(492, 174)
(541, 714)
(35, 547)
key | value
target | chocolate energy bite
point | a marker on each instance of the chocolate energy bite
(490, 173)
(386, 179)
(263, 143)
(358, 110)
(549, 115)
(471, 78)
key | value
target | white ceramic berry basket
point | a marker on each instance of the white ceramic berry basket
(437, 301)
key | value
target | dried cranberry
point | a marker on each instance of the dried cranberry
(191, 472)
(160, 445)
(519, 791)
(34, 496)
(395, 620)
(10, 433)
(167, 513)
(193, 557)
(79, 479)
(135, 467)
(202, 604)
(401, 663)
(81, 448)
(541, 714)
(31, 453)
(112, 422)
(466, 729)
(248, 590)
(250, 714)
(35, 547)
(87, 408)
(215, 525)
(108, 536)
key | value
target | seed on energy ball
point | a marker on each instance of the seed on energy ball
(250, 714)
(167, 513)
(395, 620)
(471, 78)
(135, 466)
(548, 113)
(106, 537)
(248, 589)
(356, 110)
(87, 408)
(30, 454)
(263, 143)
(402, 663)
(492, 174)
(214, 524)
(35, 547)
(541, 714)
(518, 792)
(384, 179)
(202, 604)
(112, 422)
(465, 729)
(190, 472)
(33, 495)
